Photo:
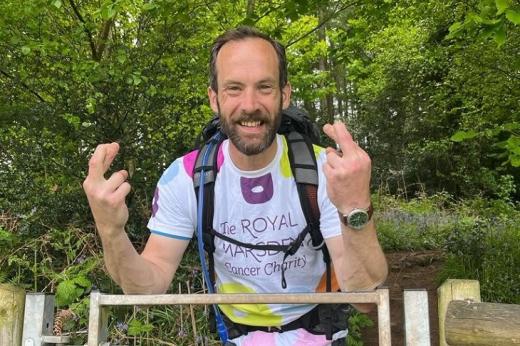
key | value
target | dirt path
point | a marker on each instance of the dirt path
(408, 270)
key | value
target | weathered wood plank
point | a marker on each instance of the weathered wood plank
(12, 301)
(454, 289)
(470, 323)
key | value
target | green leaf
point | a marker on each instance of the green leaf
(136, 327)
(136, 79)
(74, 120)
(455, 27)
(463, 135)
(82, 281)
(500, 35)
(121, 57)
(108, 11)
(515, 161)
(149, 6)
(57, 3)
(513, 16)
(502, 5)
(26, 50)
(91, 105)
(66, 293)
(454, 30)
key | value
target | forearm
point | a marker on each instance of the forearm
(132, 272)
(363, 261)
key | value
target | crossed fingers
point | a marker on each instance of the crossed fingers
(346, 147)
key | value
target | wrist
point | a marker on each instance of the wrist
(356, 218)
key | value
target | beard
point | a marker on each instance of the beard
(229, 127)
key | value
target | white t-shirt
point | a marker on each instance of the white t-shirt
(258, 207)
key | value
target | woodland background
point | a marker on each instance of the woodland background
(430, 88)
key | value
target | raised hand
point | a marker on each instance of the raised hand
(106, 197)
(347, 170)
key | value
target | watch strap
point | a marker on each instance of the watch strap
(344, 217)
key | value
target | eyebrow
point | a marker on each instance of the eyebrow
(265, 80)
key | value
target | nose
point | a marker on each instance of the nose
(249, 102)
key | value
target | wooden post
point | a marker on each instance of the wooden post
(12, 302)
(479, 324)
(454, 289)
(416, 317)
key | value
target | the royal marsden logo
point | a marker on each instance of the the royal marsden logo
(257, 190)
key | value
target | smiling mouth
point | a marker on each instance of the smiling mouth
(250, 123)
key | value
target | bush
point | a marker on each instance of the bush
(489, 252)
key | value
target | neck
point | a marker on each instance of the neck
(253, 162)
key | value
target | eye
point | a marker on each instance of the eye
(233, 89)
(266, 88)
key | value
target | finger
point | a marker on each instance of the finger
(117, 179)
(329, 150)
(96, 168)
(122, 191)
(328, 129)
(334, 158)
(112, 150)
(101, 160)
(343, 137)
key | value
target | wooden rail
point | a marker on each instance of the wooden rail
(464, 320)
(97, 333)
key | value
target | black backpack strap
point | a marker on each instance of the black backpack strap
(210, 153)
(305, 171)
(304, 167)
(288, 250)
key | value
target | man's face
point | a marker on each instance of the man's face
(249, 99)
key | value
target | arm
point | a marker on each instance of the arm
(358, 259)
(153, 270)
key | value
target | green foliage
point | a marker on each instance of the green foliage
(480, 237)
(356, 323)
(137, 327)
(487, 251)
(69, 291)
(429, 88)
(417, 224)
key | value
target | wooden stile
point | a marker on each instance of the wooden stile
(12, 300)
(479, 324)
(454, 289)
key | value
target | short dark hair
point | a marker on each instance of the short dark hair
(241, 33)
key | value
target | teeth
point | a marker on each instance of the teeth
(250, 123)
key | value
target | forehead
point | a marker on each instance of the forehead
(250, 57)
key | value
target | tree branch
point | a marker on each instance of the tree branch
(25, 86)
(105, 31)
(85, 28)
(325, 21)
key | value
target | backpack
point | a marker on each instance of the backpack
(300, 133)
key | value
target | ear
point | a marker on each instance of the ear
(213, 102)
(286, 95)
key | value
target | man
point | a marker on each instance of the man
(255, 201)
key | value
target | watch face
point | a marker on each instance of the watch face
(357, 219)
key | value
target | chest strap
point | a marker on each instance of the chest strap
(288, 250)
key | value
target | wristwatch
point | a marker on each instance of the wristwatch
(358, 218)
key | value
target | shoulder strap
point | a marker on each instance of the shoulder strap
(208, 153)
(305, 171)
